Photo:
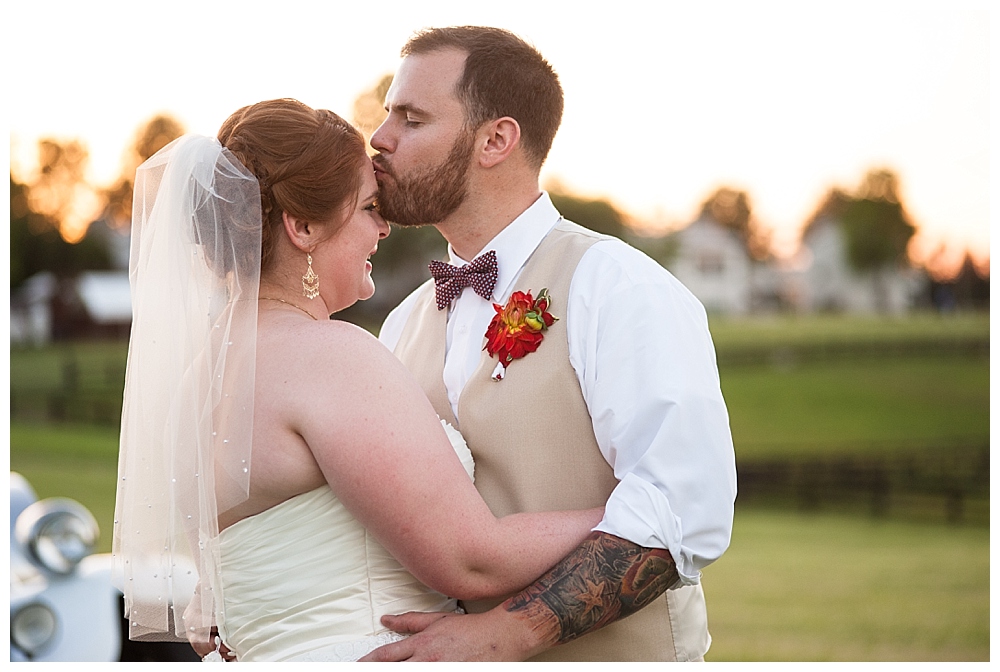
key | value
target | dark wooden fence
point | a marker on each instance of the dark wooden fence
(949, 482)
(788, 354)
(90, 397)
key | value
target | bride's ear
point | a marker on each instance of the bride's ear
(299, 231)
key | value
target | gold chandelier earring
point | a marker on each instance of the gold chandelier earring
(310, 281)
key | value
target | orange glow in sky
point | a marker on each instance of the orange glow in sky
(665, 101)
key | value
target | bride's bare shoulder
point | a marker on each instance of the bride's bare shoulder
(342, 370)
(329, 344)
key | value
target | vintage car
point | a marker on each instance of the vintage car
(63, 606)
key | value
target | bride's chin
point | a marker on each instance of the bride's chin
(367, 285)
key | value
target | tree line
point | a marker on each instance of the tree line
(875, 222)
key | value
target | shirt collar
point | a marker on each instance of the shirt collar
(516, 242)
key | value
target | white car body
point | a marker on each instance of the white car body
(73, 615)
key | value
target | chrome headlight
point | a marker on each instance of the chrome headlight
(58, 533)
(32, 628)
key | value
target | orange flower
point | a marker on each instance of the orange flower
(517, 328)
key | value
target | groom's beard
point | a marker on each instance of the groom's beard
(432, 194)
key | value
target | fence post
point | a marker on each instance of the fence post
(808, 485)
(71, 374)
(954, 503)
(880, 490)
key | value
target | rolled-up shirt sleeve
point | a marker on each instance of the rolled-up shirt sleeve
(641, 348)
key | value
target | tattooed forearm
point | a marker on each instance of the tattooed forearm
(606, 578)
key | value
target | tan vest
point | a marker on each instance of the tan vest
(532, 436)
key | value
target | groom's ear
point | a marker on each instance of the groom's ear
(299, 231)
(497, 141)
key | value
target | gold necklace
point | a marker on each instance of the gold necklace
(288, 303)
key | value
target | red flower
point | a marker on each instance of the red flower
(517, 328)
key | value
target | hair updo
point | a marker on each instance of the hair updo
(308, 162)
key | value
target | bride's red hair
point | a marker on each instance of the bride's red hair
(308, 162)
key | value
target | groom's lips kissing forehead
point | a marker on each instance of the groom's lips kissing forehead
(381, 166)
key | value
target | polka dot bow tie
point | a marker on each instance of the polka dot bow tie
(449, 281)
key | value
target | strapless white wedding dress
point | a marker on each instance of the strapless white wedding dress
(304, 581)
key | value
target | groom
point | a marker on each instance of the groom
(592, 382)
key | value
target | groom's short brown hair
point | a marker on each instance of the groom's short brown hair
(504, 76)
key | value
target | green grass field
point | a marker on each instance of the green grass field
(789, 330)
(859, 406)
(796, 587)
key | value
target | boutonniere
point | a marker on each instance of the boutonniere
(518, 328)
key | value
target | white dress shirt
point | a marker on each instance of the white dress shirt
(640, 346)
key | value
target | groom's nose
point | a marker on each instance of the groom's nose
(380, 140)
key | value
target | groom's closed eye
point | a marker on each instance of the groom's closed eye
(411, 115)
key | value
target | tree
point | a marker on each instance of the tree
(36, 244)
(50, 214)
(831, 207)
(876, 226)
(969, 289)
(150, 138)
(60, 192)
(595, 214)
(26, 225)
(731, 209)
(369, 107)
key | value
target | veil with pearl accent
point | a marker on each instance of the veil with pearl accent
(187, 415)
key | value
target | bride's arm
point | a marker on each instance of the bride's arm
(384, 452)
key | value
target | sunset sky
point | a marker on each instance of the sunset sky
(665, 101)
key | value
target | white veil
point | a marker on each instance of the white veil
(187, 417)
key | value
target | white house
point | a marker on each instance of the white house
(713, 263)
(828, 282)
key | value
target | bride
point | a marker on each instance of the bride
(282, 478)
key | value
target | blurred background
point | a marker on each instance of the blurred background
(817, 174)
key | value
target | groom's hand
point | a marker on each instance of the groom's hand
(453, 637)
(413, 622)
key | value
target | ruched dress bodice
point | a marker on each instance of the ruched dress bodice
(304, 580)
